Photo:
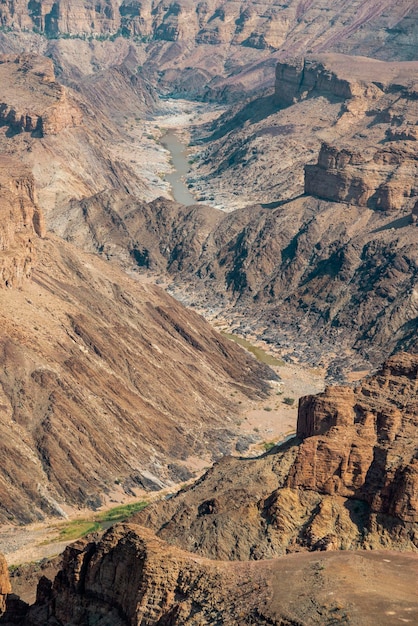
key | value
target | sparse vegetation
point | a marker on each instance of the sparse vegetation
(260, 354)
(75, 529)
(122, 512)
(289, 401)
(268, 445)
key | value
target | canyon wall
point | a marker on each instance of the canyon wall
(361, 442)
(265, 25)
(50, 112)
(21, 221)
(348, 481)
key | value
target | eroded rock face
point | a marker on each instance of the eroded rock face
(351, 482)
(382, 179)
(50, 112)
(21, 221)
(360, 171)
(5, 586)
(131, 578)
(361, 442)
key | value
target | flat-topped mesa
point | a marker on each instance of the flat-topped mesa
(50, 112)
(342, 77)
(374, 164)
(385, 178)
(361, 442)
(20, 221)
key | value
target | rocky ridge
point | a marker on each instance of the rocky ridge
(72, 141)
(50, 112)
(21, 221)
(349, 482)
(176, 40)
(129, 577)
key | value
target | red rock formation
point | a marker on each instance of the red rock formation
(131, 578)
(5, 586)
(361, 442)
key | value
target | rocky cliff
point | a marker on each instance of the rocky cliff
(351, 482)
(21, 222)
(176, 39)
(50, 112)
(130, 578)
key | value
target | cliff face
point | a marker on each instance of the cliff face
(252, 24)
(131, 578)
(49, 112)
(179, 37)
(360, 171)
(361, 441)
(5, 586)
(21, 221)
(351, 482)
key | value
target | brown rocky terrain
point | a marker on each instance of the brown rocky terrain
(67, 137)
(332, 247)
(349, 482)
(216, 49)
(21, 222)
(47, 114)
(130, 577)
(83, 350)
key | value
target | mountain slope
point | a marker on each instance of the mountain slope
(106, 384)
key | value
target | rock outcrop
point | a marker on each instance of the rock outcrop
(383, 179)
(50, 112)
(5, 586)
(21, 221)
(349, 482)
(361, 172)
(360, 442)
(130, 578)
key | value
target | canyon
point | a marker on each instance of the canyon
(299, 128)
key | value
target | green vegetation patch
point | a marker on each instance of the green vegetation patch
(268, 445)
(289, 401)
(75, 529)
(122, 512)
(260, 354)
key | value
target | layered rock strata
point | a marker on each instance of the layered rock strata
(360, 442)
(350, 482)
(130, 578)
(50, 112)
(21, 221)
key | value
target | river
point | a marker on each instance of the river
(179, 160)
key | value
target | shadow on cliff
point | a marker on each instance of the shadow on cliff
(401, 222)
